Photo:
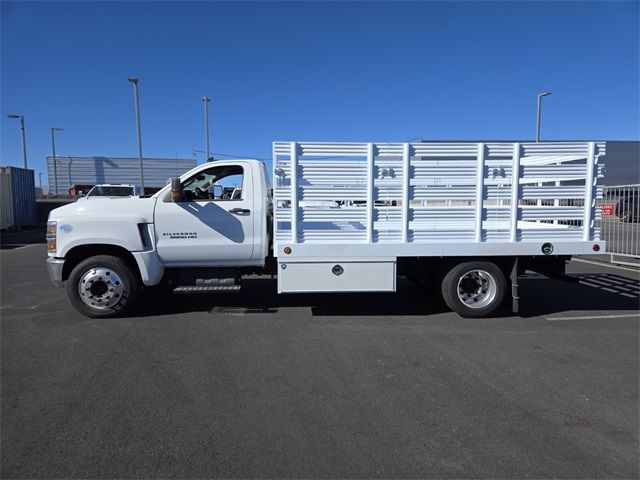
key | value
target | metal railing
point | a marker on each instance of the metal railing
(620, 223)
(425, 197)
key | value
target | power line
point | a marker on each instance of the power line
(268, 159)
(233, 155)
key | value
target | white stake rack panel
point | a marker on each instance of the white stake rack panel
(427, 199)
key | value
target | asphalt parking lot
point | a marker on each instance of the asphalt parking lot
(370, 385)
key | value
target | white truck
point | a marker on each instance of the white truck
(465, 218)
(115, 190)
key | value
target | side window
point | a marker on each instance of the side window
(216, 183)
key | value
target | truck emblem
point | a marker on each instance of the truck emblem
(547, 248)
(180, 235)
(283, 266)
(66, 228)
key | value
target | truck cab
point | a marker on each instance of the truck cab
(215, 222)
(220, 219)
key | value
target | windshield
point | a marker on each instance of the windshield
(110, 191)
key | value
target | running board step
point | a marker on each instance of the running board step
(205, 289)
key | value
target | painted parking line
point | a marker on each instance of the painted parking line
(26, 246)
(594, 317)
(11, 246)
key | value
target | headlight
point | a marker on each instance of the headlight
(51, 236)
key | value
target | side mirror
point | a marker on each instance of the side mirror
(176, 190)
(218, 191)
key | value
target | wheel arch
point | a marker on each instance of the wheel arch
(444, 264)
(81, 252)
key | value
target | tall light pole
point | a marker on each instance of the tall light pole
(53, 151)
(134, 81)
(539, 116)
(24, 140)
(206, 100)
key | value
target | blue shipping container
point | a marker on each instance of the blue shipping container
(23, 195)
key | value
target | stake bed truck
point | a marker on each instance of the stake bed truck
(464, 218)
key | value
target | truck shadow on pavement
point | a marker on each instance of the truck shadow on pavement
(538, 296)
(259, 295)
(591, 292)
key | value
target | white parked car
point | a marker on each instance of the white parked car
(115, 190)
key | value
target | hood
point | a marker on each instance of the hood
(110, 207)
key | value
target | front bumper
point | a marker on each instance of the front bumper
(54, 269)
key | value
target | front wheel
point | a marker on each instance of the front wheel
(103, 286)
(474, 289)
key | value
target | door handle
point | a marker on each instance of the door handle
(239, 211)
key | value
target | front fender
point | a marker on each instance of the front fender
(121, 231)
(125, 223)
(126, 234)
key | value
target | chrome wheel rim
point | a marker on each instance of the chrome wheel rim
(477, 288)
(101, 288)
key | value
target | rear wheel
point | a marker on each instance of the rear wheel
(474, 289)
(103, 286)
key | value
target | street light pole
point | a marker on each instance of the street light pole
(24, 140)
(53, 151)
(134, 81)
(206, 100)
(539, 115)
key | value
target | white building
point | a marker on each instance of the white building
(70, 171)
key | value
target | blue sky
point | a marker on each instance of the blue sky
(312, 71)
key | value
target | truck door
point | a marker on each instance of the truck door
(213, 224)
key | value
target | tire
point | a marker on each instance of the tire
(474, 289)
(103, 286)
